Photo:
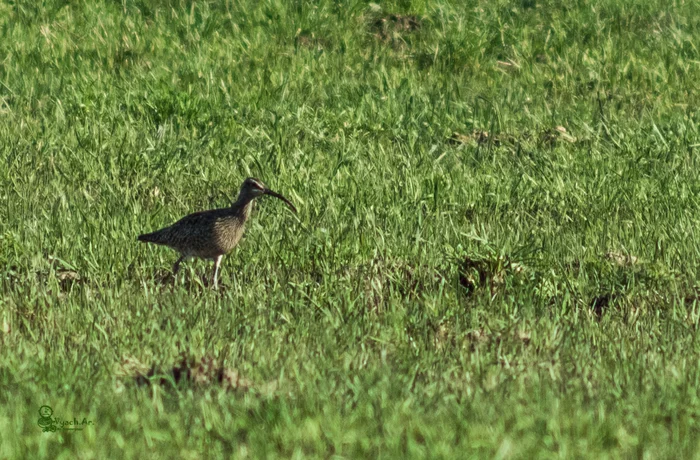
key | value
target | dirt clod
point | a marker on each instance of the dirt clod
(621, 259)
(202, 373)
(67, 278)
(601, 303)
(476, 136)
(391, 28)
(479, 273)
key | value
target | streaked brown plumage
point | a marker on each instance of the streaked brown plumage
(214, 233)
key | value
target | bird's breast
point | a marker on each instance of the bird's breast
(228, 232)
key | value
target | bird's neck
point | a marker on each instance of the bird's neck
(242, 206)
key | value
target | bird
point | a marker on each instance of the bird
(214, 233)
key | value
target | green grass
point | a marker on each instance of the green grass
(464, 278)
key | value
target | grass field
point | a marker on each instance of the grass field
(496, 252)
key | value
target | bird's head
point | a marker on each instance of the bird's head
(253, 188)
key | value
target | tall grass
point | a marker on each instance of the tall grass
(495, 255)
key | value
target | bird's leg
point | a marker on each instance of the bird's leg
(176, 267)
(217, 263)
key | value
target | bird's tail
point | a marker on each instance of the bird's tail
(149, 237)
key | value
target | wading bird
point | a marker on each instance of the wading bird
(214, 233)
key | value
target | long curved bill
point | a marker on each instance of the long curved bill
(277, 195)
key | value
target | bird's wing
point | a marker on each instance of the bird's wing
(195, 219)
(182, 231)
